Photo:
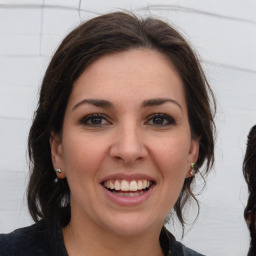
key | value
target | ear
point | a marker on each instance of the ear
(193, 155)
(57, 154)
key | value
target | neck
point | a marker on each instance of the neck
(87, 240)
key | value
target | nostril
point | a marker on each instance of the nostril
(128, 145)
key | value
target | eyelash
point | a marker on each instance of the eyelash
(166, 119)
(85, 120)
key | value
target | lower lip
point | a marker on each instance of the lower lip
(128, 200)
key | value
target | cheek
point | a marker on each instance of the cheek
(171, 162)
(81, 156)
(172, 156)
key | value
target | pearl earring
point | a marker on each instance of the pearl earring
(58, 170)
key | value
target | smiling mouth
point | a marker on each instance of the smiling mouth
(128, 188)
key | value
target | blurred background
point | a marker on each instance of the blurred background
(223, 32)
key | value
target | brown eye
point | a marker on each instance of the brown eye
(97, 120)
(158, 121)
(161, 120)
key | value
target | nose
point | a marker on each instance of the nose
(128, 144)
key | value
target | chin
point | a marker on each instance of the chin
(132, 224)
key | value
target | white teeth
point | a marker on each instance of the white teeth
(139, 185)
(125, 185)
(133, 186)
(117, 185)
(128, 194)
(111, 185)
(144, 184)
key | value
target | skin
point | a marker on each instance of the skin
(127, 139)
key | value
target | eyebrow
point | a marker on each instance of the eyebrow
(160, 101)
(146, 103)
(95, 102)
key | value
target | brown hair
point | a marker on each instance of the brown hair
(249, 171)
(110, 33)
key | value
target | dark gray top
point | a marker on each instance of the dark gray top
(46, 239)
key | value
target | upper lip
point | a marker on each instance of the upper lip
(128, 177)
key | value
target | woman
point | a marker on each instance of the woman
(249, 170)
(124, 120)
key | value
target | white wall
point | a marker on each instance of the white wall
(224, 34)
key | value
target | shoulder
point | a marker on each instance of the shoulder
(25, 241)
(176, 248)
(185, 250)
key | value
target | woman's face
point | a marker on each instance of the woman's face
(126, 144)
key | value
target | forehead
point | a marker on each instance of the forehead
(133, 74)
